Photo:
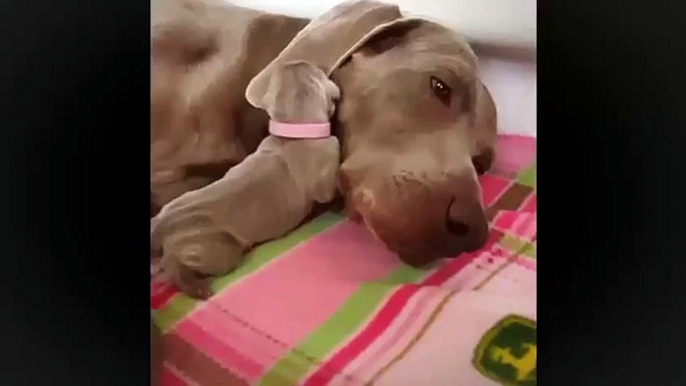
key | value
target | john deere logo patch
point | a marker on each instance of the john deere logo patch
(507, 352)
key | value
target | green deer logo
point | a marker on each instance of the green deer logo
(507, 352)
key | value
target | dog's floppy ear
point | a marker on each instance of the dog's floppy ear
(382, 37)
(326, 40)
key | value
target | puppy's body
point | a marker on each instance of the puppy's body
(205, 232)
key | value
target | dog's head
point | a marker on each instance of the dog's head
(416, 126)
(414, 140)
(299, 92)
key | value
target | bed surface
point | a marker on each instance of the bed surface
(328, 304)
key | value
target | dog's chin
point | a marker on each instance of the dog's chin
(418, 257)
(424, 260)
(415, 257)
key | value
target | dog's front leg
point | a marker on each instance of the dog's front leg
(191, 244)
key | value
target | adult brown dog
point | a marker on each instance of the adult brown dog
(415, 122)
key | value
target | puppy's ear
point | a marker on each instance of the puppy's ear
(268, 98)
(332, 91)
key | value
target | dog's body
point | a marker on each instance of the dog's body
(415, 122)
(203, 57)
(203, 233)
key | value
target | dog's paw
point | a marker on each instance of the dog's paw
(188, 256)
(209, 252)
(193, 284)
(191, 246)
(186, 280)
(196, 262)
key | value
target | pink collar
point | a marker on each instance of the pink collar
(300, 130)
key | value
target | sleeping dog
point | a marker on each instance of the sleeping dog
(415, 122)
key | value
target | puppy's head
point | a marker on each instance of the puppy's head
(300, 92)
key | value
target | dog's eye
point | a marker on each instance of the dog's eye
(441, 90)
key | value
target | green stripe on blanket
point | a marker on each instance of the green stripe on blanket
(180, 305)
(528, 176)
(353, 315)
(521, 246)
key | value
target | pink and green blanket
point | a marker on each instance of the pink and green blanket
(328, 304)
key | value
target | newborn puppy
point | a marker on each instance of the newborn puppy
(207, 231)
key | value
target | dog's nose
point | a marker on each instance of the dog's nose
(456, 227)
(466, 222)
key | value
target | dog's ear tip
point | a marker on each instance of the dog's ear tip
(390, 34)
(252, 94)
(324, 43)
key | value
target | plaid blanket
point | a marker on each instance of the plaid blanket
(328, 304)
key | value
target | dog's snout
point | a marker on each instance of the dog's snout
(466, 222)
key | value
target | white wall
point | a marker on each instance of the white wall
(513, 87)
(508, 23)
(512, 22)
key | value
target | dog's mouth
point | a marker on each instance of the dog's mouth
(415, 257)
(419, 250)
